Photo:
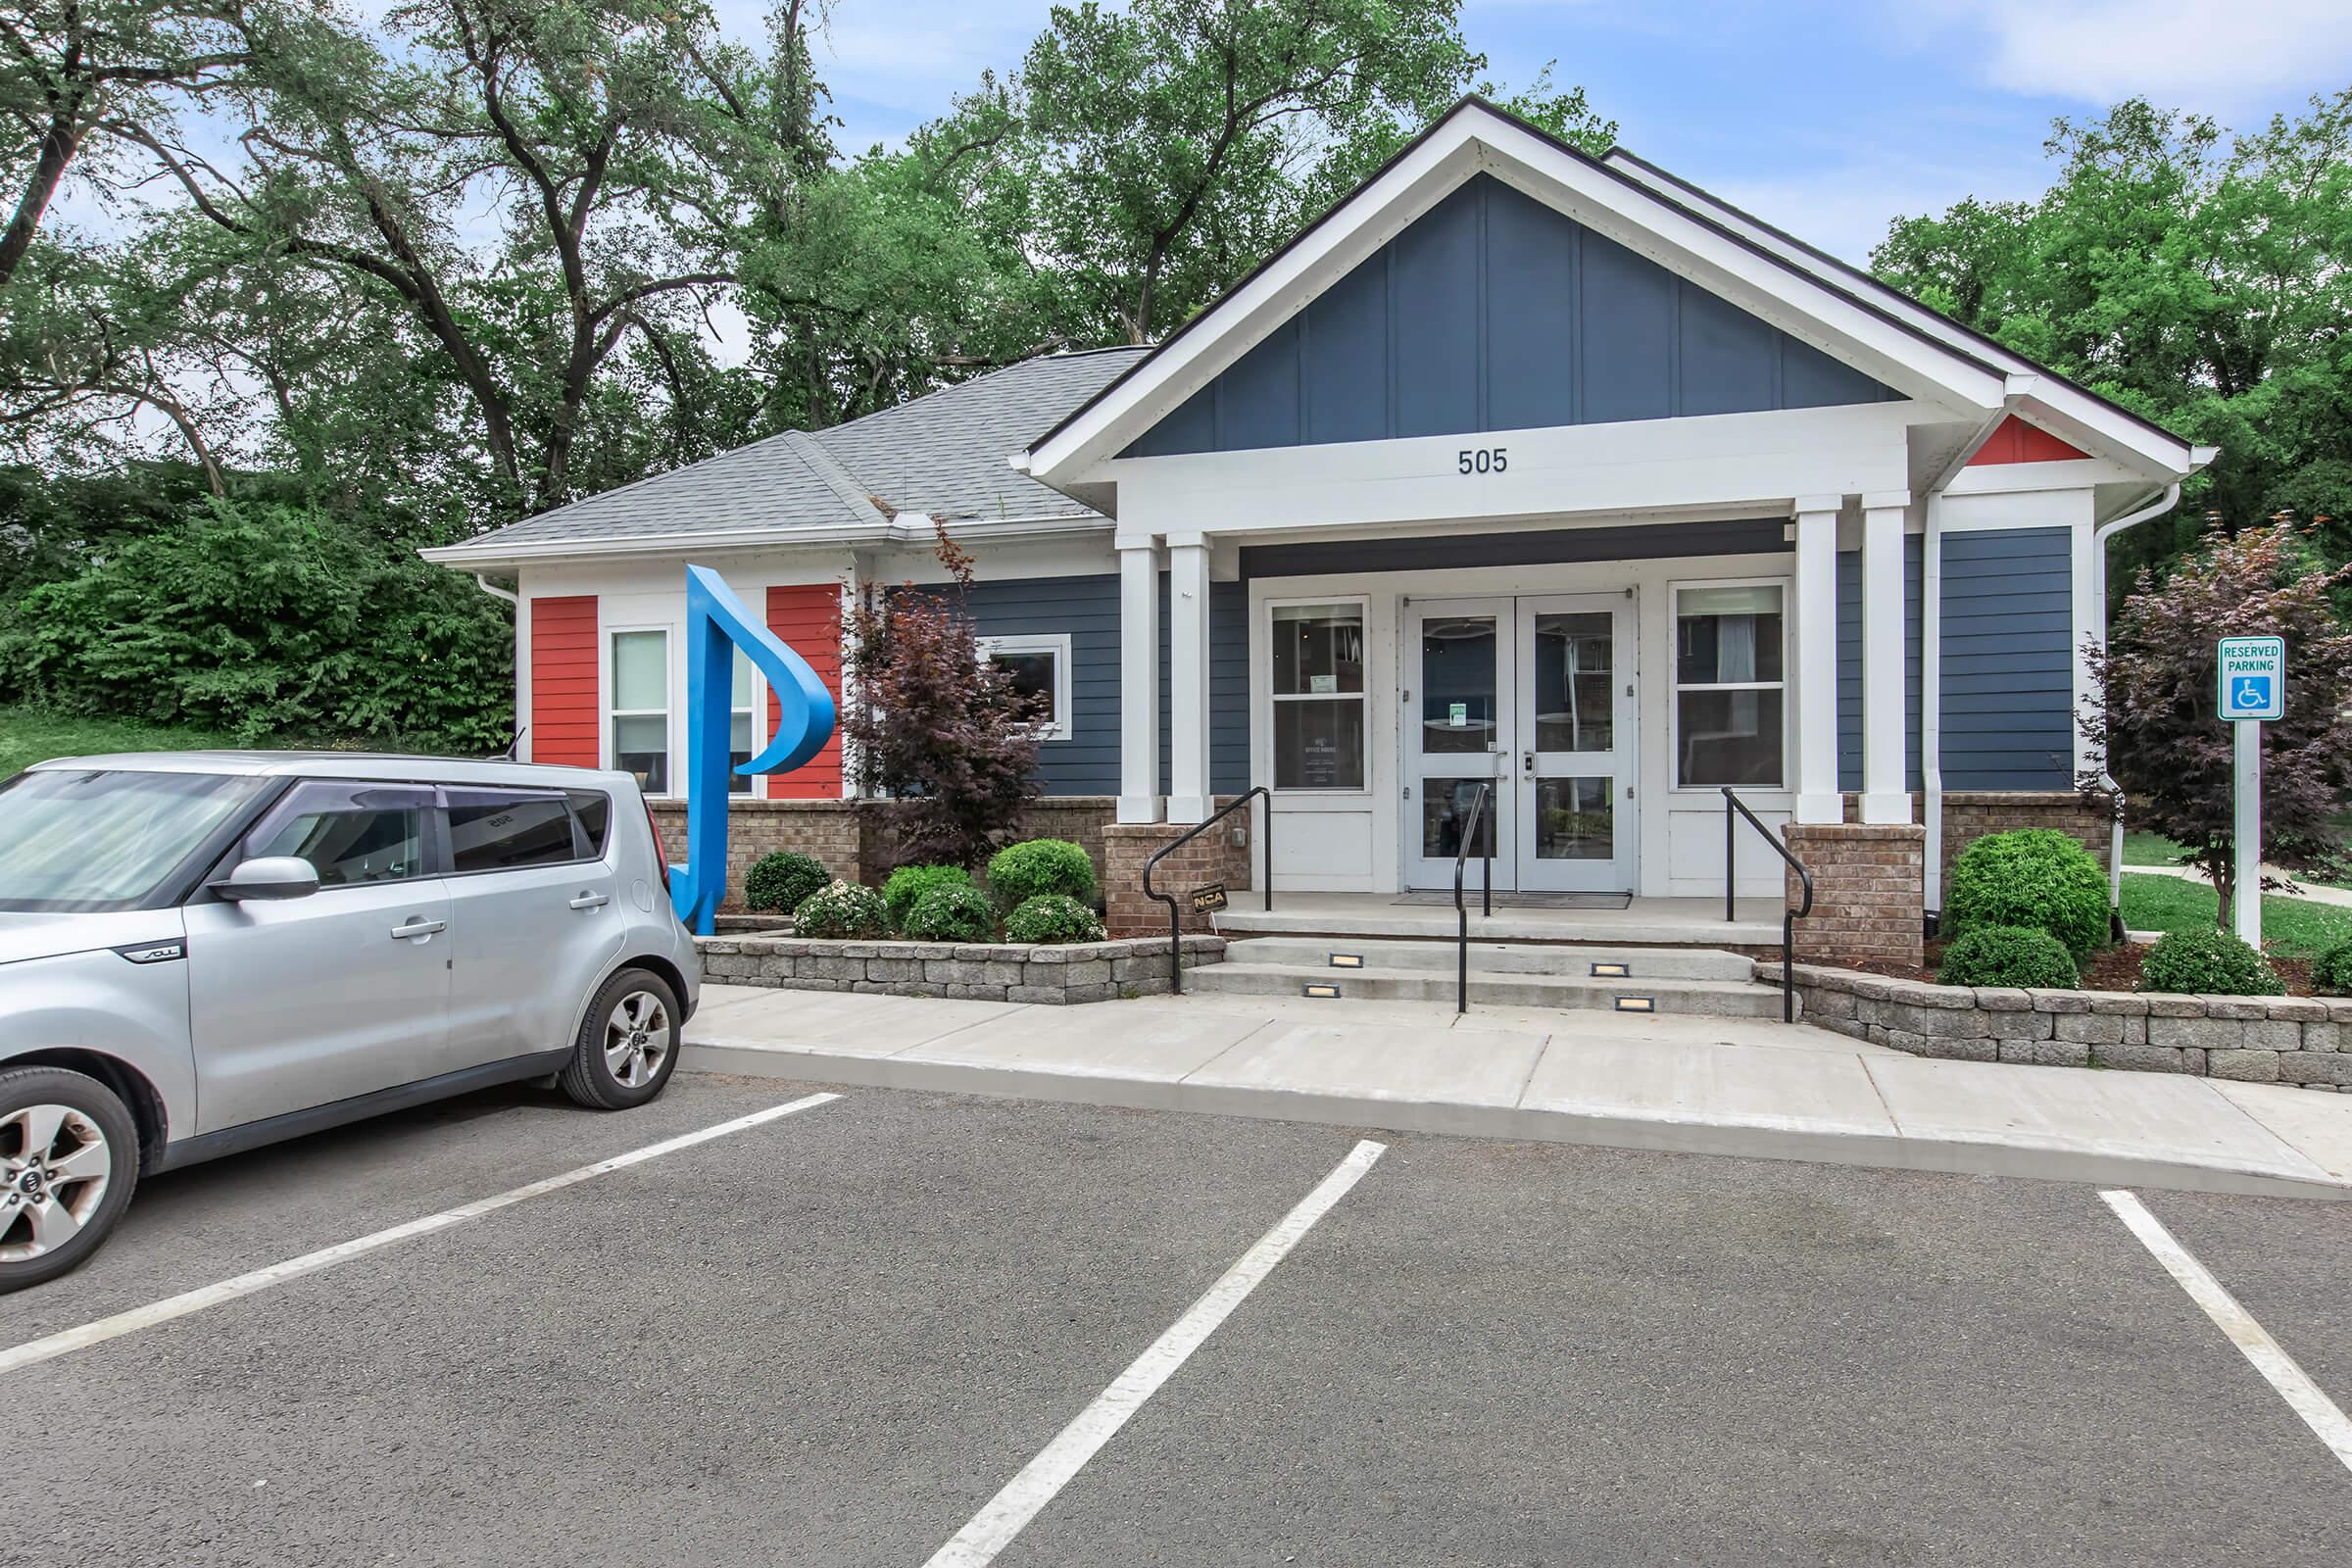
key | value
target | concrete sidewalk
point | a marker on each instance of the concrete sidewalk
(1708, 1086)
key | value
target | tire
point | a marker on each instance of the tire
(68, 1164)
(629, 1043)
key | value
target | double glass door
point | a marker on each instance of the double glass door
(1533, 696)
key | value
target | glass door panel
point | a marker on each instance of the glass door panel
(1575, 809)
(1460, 667)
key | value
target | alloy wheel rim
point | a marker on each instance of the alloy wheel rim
(638, 1039)
(54, 1167)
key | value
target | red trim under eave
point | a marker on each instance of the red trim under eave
(807, 617)
(563, 696)
(2016, 441)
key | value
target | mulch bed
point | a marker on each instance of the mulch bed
(2115, 968)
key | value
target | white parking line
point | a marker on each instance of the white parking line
(67, 1340)
(1010, 1511)
(2302, 1395)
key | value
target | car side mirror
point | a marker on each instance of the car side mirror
(270, 876)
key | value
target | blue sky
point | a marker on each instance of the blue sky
(1827, 117)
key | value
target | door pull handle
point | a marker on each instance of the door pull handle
(591, 901)
(419, 928)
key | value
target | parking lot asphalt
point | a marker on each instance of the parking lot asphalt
(832, 1338)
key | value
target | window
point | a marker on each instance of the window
(743, 727)
(594, 814)
(502, 830)
(1728, 685)
(1040, 667)
(1318, 693)
(350, 832)
(84, 840)
(641, 707)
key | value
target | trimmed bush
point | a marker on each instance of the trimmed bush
(842, 910)
(906, 886)
(780, 881)
(1051, 918)
(2331, 971)
(2208, 962)
(1022, 871)
(952, 911)
(2008, 956)
(2035, 877)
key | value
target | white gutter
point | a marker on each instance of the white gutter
(2164, 503)
(912, 529)
(483, 583)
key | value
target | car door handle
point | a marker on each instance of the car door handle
(591, 901)
(419, 928)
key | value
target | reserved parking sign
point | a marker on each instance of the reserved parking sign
(2253, 671)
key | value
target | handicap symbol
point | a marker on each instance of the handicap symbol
(2252, 690)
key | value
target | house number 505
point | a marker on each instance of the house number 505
(1483, 459)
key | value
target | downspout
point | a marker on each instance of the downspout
(483, 583)
(2164, 503)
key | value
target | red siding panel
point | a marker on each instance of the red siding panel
(807, 617)
(564, 727)
(2016, 441)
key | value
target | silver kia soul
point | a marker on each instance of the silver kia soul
(205, 951)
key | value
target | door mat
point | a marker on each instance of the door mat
(1529, 901)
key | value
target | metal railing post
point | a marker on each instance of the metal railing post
(1789, 918)
(1176, 915)
(1471, 828)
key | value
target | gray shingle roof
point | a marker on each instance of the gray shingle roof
(943, 454)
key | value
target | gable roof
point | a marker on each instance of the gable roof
(1876, 328)
(941, 454)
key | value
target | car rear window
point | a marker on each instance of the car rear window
(504, 830)
(594, 814)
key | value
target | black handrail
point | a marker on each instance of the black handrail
(1462, 914)
(1789, 918)
(1265, 849)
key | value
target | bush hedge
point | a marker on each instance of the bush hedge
(2008, 956)
(1019, 872)
(2035, 877)
(951, 911)
(905, 888)
(843, 911)
(2331, 970)
(2204, 961)
(1051, 918)
(780, 881)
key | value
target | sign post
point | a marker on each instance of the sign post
(2253, 681)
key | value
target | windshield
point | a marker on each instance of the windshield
(88, 842)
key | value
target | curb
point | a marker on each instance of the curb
(1727, 1138)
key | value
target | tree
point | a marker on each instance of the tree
(2201, 280)
(2158, 728)
(935, 725)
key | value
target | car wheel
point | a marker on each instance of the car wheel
(68, 1160)
(629, 1045)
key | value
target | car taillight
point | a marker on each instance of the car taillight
(660, 856)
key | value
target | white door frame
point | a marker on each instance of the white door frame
(1612, 766)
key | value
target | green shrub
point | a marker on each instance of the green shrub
(780, 881)
(2203, 962)
(1051, 918)
(952, 911)
(2331, 970)
(2008, 956)
(839, 911)
(909, 883)
(1019, 872)
(2035, 877)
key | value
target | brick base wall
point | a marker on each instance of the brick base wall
(1869, 886)
(1970, 814)
(1221, 855)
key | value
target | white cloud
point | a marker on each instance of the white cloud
(2206, 54)
(1845, 210)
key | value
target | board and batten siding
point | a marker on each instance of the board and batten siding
(1849, 664)
(1087, 608)
(2007, 658)
(1494, 312)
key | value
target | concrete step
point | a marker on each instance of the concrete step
(1637, 925)
(1721, 998)
(1568, 961)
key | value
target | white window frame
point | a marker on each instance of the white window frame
(1674, 685)
(1363, 607)
(755, 711)
(609, 688)
(1059, 727)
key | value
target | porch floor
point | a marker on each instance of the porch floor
(1649, 922)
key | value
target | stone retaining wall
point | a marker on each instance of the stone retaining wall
(982, 971)
(2306, 1041)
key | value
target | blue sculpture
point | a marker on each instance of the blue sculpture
(716, 624)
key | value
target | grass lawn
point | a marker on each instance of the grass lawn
(30, 735)
(2292, 928)
(2150, 849)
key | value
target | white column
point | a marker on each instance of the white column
(1188, 678)
(1883, 795)
(1139, 800)
(1815, 618)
